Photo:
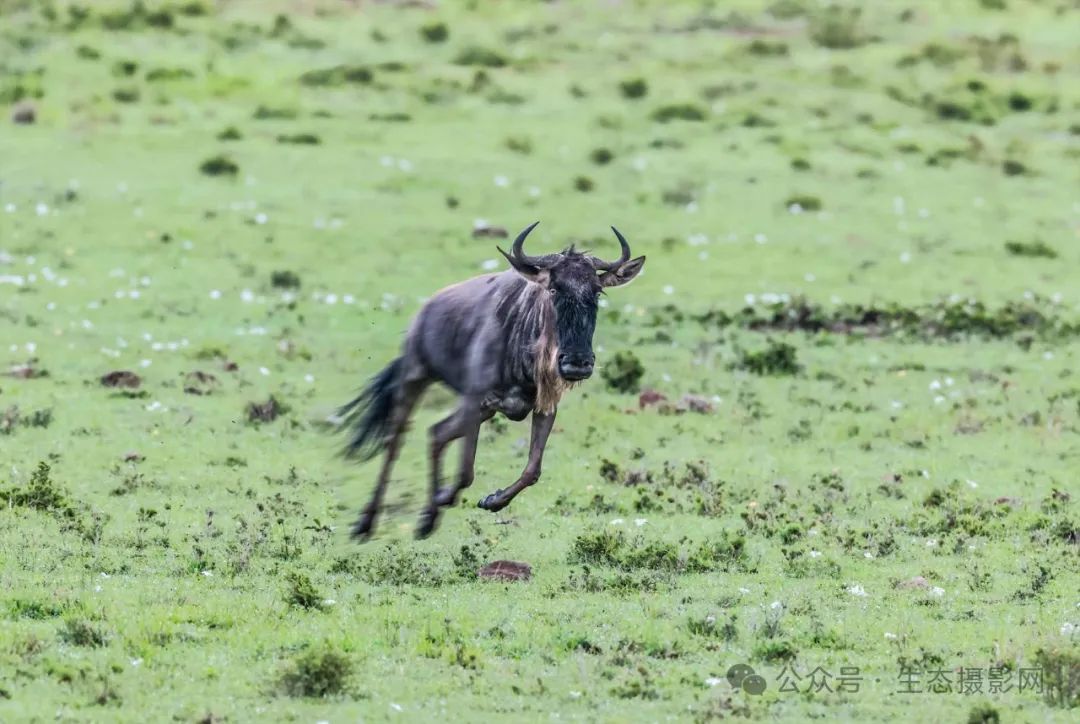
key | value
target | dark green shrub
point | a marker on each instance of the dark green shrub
(623, 373)
(302, 592)
(584, 184)
(80, 632)
(1035, 248)
(777, 359)
(601, 156)
(317, 673)
(679, 112)
(805, 202)
(285, 279)
(219, 166)
(484, 57)
(299, 139)
(634, 88)
(436, 32)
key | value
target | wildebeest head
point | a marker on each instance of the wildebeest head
(575, 282)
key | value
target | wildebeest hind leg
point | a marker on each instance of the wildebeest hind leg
(407, 396)
(462, 422)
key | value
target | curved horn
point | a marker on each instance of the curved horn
(624, 256)
(519, 242)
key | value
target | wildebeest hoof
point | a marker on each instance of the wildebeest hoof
(362, 528)
(492, 502)
(428, 521)
(445, 496)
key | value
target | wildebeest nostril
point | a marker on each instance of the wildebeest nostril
(567, 359)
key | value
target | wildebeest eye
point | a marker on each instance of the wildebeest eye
(551, 291)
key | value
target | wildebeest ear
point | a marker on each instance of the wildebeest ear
(530, 272)
(623, 273)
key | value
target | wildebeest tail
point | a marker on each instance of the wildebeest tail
(369, 414)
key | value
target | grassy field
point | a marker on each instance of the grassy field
(862, 233)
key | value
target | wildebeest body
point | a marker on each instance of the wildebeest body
(511, 342)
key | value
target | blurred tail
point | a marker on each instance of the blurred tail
(369, 414)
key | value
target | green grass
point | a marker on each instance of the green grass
(862, 239)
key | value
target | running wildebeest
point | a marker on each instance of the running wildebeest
(511, 342)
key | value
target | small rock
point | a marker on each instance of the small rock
(24, 372)
(489, 232)
(506, 571)
(918, 582)
(696, 403)
(649, 397)
(9, 420)
(24, 113)
(122, 378)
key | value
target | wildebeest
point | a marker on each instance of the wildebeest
(511, 342)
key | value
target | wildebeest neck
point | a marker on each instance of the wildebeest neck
(528, 320)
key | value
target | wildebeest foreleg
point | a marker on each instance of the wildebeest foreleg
(463, 422)
(407, 396)
(541, 428)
